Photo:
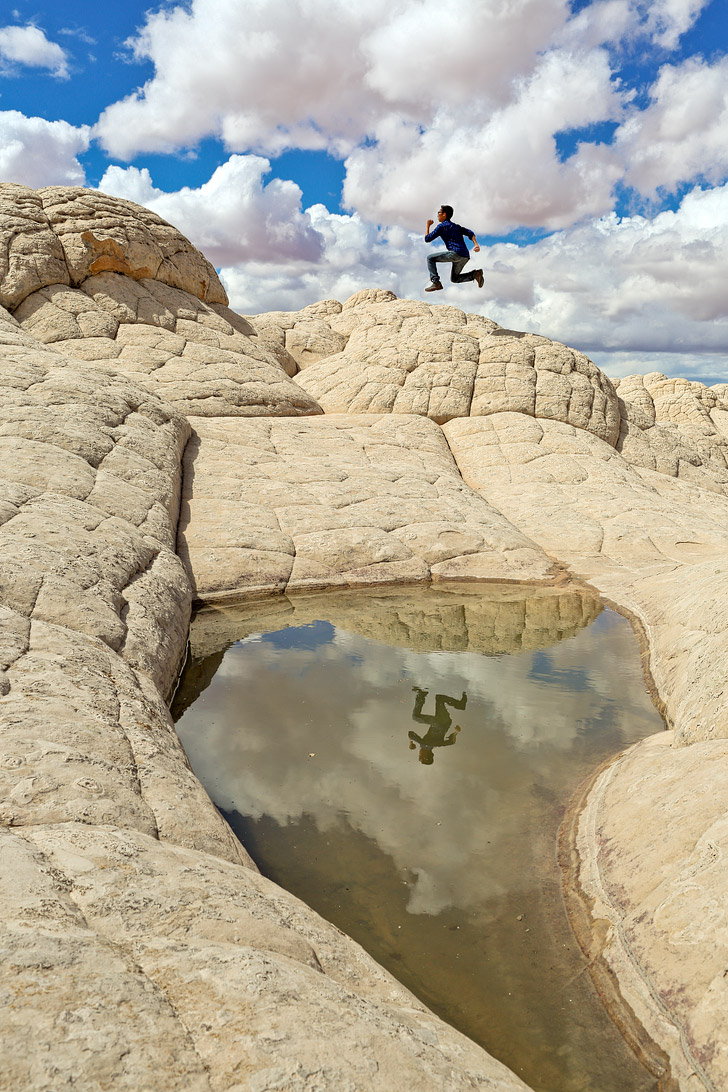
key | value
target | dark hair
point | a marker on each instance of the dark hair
(447, 209)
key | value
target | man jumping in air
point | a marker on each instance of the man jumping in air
(457, 252)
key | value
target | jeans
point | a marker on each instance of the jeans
(457, 260)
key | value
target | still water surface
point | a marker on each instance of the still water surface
(402, 763)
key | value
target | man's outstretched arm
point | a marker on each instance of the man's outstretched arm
(477, 244)
(429, 236)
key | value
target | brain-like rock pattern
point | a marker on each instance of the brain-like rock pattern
(384, 355)
(378, 354)
(107, 282)
(676, 427)
(62, 235)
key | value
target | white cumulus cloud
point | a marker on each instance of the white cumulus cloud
(262, 76)
(633, 285)
(36, 152)
(429, 99)
(683, 133)
(234, 216)
(272, 75)
(29, 46)
(505, 161)
(415, 109)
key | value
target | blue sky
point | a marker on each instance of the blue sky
(302, 144)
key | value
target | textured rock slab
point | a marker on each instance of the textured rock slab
(31, 254)
(64, 234)
(676, 427)
(337, 501)
(86, 739)
(687, 642)
(653, 544)
(81, 1001)
(582, 500)
(90, 490)
(215, 976)
(653, 841)
(200, 357)
(403, 356)
(94, 603)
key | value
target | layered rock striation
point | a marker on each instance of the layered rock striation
(358, 445)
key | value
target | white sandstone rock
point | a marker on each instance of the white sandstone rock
(143, 949)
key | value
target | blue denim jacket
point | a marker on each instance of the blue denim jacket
(452, 236)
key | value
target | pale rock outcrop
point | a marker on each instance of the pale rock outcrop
(315, 332)
(111, 283)
(91, 484)
(675, 427)
(31, 255)
(285, 504)
(379, 354)
(143, 947)
(720, 390)
(186, 350)
(656, 546)
(101, 234)
(403, 356)
(641, 538)
(64, 234)
(652, 845)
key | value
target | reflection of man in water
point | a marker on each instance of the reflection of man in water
(436, 735)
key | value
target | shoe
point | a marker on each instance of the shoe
(479, 277)
(435, 286)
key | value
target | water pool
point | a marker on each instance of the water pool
(402, 762)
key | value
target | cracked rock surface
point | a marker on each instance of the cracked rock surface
(109, 283)
(653, 846)
(337, 501)
(402, 356)
(142, 949)
(369, 443)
